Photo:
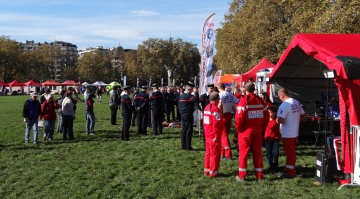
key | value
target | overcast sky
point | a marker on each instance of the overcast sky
(107, 23)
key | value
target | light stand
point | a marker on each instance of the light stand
(325, 164)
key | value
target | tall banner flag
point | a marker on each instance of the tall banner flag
(208, 40)
(137, 82)
(217, 77)
(195, 80)
(150, 82)
(162, 82)
(124, 83)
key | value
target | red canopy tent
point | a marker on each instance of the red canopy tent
(71, 83)
(300, 68)
(51, 83)
(3, 83)
(264, 63)
(15, 83)
(32, 83)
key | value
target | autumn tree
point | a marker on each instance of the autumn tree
(256, 29)
(157, 54)
(11, 66)
(94, 66)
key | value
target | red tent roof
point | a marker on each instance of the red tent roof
(71, 83)
(32, 83)
(3, 83)
(51, 83)
(15, 83)
(265, 63)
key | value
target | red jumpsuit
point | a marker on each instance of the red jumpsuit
(213, 121)
(250, 122)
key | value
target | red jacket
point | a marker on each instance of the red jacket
(213, 121)
(272, 131)
(48, 110)
(250, 112)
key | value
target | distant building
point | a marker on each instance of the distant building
(60, 62)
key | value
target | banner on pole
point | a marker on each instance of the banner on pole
(137, 82)
(208, 40)
(217, 77)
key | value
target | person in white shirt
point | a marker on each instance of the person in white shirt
(68, 116)
(227, 101)
(290, 114)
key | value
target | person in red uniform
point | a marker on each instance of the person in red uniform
(241, 95)
(250, 121)
(213, 126)
(271, 139)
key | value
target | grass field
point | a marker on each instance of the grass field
(103, 166)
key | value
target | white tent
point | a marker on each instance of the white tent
(85, 84)
(99, 83)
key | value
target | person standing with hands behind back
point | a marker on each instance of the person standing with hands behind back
(290, 114)
(213, 126)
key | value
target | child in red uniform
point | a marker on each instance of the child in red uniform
(271, 139)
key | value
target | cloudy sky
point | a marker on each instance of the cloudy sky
(107, 23)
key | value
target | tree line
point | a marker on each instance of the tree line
(147, 61)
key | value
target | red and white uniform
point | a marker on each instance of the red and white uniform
(250, 122)
(290, 110)
(213, 127)
(227, 100)
(235, 139)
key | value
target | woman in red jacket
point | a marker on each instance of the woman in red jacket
(49, 114)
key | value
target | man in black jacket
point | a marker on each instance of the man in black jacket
(141, 103)
(31, 112)
(158, 105)
(126, 112)
(170, 102)
(186, 107)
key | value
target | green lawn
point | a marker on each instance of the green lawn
(103, 166)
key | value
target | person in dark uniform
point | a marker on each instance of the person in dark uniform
(141, 105)
(114, 104)
(170, 102)
(186, 107)
(126, 112)
(134, 115)
(158, 104)
(178, 93)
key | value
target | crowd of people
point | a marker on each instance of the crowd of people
(257, 122)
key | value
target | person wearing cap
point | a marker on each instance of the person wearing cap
(186, 108)
(44, 96)
(141, 105)
(204, 98)
(89, 112)
(213, 124)
(250, 121)
(30, 113)
(158, 107)
(126, 112)
(114, 102)
(48, 112)
(227, 102)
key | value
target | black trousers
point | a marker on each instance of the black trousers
(134, 115)
(113, 115)
(126, 126)
(142, 119)
(186, 131)
(169, 110)
(157, 120)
